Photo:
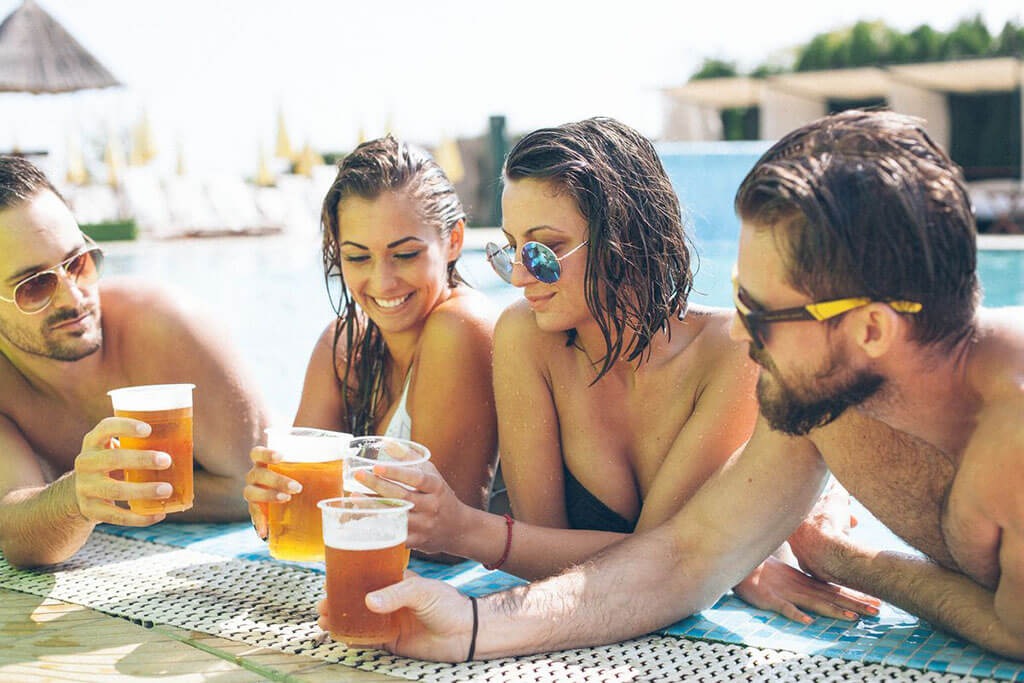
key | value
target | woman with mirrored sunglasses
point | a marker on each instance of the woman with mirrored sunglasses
(408, 354)
(616, 401)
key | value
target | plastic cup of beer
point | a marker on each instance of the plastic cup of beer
(167, 409)
(365, 547)
(366, 451)
(312, 457)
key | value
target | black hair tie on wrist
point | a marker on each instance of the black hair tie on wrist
(476, 624)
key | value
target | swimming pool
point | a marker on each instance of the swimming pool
(268, 293)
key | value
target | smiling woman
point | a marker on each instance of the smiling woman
(408, 354)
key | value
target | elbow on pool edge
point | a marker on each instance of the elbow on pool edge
(22, 559)
(1010, 619)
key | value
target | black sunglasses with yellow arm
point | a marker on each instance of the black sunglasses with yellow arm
(755, 319)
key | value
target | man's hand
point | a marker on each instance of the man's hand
(435, 621)
(818, 541)
(96, 491)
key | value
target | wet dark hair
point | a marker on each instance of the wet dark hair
(373, 168)
(638, 271)
(866, 204)
(20, 180)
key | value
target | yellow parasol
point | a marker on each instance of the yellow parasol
(306, 160)
(143, 149)
(264, 178)
(113, 157)
(284, 145)
(77, 173)
(450, 160)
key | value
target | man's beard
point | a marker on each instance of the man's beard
(60, 349)
(796, 411)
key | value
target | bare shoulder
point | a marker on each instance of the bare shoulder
(135, 300)
(467, 317)
(996, 361)
(517, 331)
(157, 327)
(710, 345)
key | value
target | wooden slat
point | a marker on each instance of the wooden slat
(46, 638)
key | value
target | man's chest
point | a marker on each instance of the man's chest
(54, 426)
(902, 480)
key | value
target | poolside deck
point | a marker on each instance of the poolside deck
(44, 638)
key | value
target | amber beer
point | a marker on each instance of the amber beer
(365, 551)
(312, 457)
(167, 409)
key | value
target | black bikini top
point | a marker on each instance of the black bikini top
(586, 511)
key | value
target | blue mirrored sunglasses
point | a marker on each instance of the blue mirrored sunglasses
(539, 260)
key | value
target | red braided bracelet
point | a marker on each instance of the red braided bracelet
(508, 545)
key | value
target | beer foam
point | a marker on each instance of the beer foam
(355, 545)
(367, 533)
(152, 397)
(301, 445)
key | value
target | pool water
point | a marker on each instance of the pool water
(268, 293)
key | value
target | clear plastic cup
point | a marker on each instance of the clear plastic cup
(314, 458)
(364, 540)
(366, 451)
(167, 409)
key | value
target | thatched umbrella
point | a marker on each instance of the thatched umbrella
(38, 55)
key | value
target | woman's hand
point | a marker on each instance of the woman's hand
(263, 486)
(776, 586)
(436, 521)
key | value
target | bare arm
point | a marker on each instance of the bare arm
(322, 405)
(947, 599)
(451, 402)
(1009, 596)
(734, 522)
(643, 583)
(44, 524)
(229, 413)
(722, 420)
(532, 463)
(40, 523)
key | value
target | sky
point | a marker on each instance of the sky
(213, 74)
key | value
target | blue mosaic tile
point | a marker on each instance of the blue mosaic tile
(893, 637)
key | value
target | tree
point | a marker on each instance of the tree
(969, 38)
(715, 68)
(1010, 41)
(874, 43)
(864, 48)
(817, 54)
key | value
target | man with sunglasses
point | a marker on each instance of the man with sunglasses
(59, 356)
(857, 293)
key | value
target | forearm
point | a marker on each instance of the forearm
(536, 552)
(615, 596)
(42, 526)
(941, 597)
(217, 499)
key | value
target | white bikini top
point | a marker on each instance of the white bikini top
(400, 426)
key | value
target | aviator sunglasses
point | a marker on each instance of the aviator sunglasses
(34, 293)
(539, 260)
(756, 319)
